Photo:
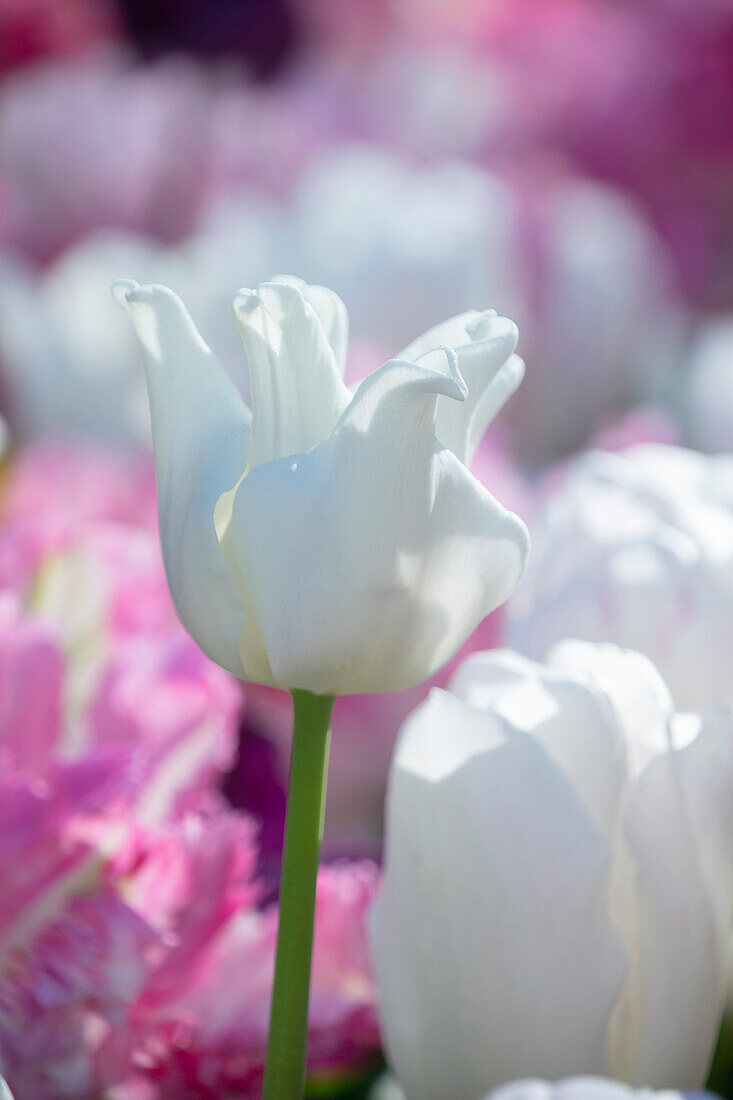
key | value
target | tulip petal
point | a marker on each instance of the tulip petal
(576, 1088)
(484, 343)
(636, 691)
(495, 893)
(331, 313)
(567, 715)
(297, 391)
(679, 826)
(200, 438)
(371, 558)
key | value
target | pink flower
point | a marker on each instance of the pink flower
(200, 1033)
(76, 482)
(343, 1033)
(638, 94)
(31, 684)
(91, 653)
(100, 143)
(30, 29)
(135, 957)
(71, 951)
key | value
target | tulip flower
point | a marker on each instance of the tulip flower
(350, 551)
(327, 542)
(584, 1088)
(557, 895)
(92, 657)
(636, 548)
(707, 398)
(572, 1088)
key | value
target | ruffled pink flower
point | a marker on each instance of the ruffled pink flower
(31, 685)
(343, 1035)
(136, 959)
(201, 1033)
(91, 653)
(72, 952)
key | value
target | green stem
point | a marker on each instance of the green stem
(286, 1046)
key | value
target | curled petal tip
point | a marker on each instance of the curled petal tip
(245, 301)
(129, 293)
(121, 289)
(289, 280)
(488, 325)
(517, 369)
(443, 362)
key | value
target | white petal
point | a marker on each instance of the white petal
(296, 387)
(638, 694)
(573, 1088)
(371, 558)
(200, 438)
(484, 344)
(331, 313)
(568, 715)
(494, 900)
(679, 826)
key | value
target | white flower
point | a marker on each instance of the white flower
(636, 548)
(581, 1088)
(570, 260)
(351, 551)
(557, 894)
(572, 1088)
(70, 363)
(404, 246)
(707, 403)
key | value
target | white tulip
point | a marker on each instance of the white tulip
(404, 246)
(350, 551)
(636, 548)
(557, 894)
(707, 399)
(71, 365)
(572, 1088)
(581, 1088)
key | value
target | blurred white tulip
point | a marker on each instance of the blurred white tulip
(583, 1088)
(707, 401)
(571, 260)
(572, 1088)
(404, 246)
(557, 894)
(636, 548)
(71, 366)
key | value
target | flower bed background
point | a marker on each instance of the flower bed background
(569, 164)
